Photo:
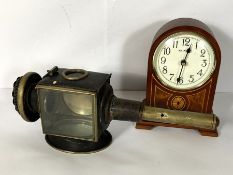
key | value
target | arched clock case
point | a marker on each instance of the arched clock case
(198, 99)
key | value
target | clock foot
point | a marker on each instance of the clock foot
(144, 126)
(209, 133)
(151, 125)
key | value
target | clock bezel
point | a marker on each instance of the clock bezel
(154, 59)
(186, 28)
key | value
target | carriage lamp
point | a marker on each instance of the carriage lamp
(76, 107)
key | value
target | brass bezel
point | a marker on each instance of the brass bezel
(71, 90)
(193, 87)
(65, 74)
(20, 95)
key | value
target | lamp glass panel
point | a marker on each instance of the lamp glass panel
(68, 114)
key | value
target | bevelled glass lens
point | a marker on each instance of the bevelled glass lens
(79, 103)
(69, 114)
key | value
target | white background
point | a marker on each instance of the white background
(112, 36)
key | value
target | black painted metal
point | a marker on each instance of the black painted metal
(126, 110)
(79, 146)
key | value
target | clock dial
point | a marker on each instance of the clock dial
(184, 60)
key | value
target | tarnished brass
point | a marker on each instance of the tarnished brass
(64, 89)
(66, 73)
(185, 118)
(20, 95)
(70, 90)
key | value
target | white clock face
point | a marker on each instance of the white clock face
(184, 60)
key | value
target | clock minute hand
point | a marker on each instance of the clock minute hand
(179, 78)
(183, 63)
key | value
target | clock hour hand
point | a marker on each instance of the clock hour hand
(183, 63)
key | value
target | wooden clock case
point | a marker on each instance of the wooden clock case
(196, 100)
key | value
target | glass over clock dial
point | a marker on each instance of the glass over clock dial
(184, 60)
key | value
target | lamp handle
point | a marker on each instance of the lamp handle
(129, 110)
(185, 118)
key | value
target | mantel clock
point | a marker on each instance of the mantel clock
(183, 67)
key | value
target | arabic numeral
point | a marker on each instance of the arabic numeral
(163, 60)
(172, 75)
(203, 51)
(191, 78)
(200, 72)
(164, 69)
(186, 41)
(175, 44)
(181, 81)
(204, 64)
(166, 51)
